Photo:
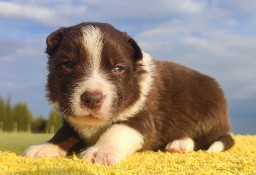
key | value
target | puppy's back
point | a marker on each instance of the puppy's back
(191, 104)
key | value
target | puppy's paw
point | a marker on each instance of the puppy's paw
(44, 150)
(103, 156)
(183, 145)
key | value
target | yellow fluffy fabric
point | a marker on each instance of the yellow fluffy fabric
(240, 159)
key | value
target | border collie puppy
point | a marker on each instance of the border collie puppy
(115, 99)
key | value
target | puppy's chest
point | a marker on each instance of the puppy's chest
(89, 133)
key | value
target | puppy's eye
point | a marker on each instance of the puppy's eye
(118, 69)
(68, 64)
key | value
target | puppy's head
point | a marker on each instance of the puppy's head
(94, 71)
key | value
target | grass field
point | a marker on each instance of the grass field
(240, 159)
(18, 142)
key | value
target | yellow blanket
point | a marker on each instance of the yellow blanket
(241, 159)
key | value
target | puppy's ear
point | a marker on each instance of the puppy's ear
(136, 50)
(53, 41)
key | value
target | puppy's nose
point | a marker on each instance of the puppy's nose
(91, 100)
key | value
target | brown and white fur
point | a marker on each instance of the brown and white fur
(116, 100)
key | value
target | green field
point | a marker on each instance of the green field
(18, 142)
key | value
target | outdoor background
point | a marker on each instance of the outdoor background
(215, 37)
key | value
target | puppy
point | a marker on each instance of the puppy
(116, 100)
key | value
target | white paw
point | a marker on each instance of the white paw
(182, 145)
(103, 156)
(44, 150)
(216, 146)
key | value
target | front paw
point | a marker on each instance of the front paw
(44, 150)
(103, 156)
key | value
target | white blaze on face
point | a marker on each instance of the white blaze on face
(94, 79)
(92, 40)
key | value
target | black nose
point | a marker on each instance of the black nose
(91, 100)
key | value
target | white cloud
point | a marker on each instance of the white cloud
(246, 92)
(67, 13)
(210, 43)
(25, 11)
(232, 63)
(244, 6)
(146, 9)
(47, 14)
(27, 49)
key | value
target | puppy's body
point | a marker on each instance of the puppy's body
(117, 100)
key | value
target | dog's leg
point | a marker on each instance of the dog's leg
(60, 145)
(223, 143)
(114, 145)
(181, 145)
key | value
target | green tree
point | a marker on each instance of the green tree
(2, 109)
(39, 125)
(2, 114)
(6, 117)
(54, 122)
(22, 117)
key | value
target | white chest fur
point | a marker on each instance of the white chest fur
(90, 133)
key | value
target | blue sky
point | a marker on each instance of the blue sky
(215, 37)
